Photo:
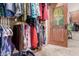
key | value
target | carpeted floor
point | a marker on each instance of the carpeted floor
(53, 50)
(74, 42)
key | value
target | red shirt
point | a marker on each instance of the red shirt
(34, 38)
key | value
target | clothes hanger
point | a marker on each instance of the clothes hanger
(2, 22)
(5, 26)
(8, 23)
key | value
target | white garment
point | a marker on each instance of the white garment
(27, 37)
(19, 9)
(10, 6)
(28, 9)
(37, 9)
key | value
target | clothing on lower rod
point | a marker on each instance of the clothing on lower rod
(21, 38)
(5, 40)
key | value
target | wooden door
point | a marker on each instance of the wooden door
(57, 33)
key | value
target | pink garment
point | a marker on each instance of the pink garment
(43, 12)
(27, 36)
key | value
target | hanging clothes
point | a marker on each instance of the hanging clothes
(37, 9)
(37, 26)
(6, 44)
(21, 38)
(34, 38)
(28, 12)
(36, 23)
(43, 12)
(28, 35)
(24, 35)
(2, 9)
(40, 36)
(19, 9)
(28, 9)
(15, 37)
(35, 12)
(1, 33)
(44, 34)
(10, 9)
(25, 11)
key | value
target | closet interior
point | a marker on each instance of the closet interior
(22, 27)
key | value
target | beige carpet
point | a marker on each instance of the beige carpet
(74, 42)
(52, 50)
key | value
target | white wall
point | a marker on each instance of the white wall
(72, 7)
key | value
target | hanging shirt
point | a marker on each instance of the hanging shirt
(10, 9)
(21, 37)
(19, 9)
(6, 42)
(2, 9)
(28, 9)
(28, 35)
(37, 9)
(41, 37)
(26, 39)
(25, 11)
(43, 12)
(33, 10)
(16, 37)
(44, 34)
(1, 33)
